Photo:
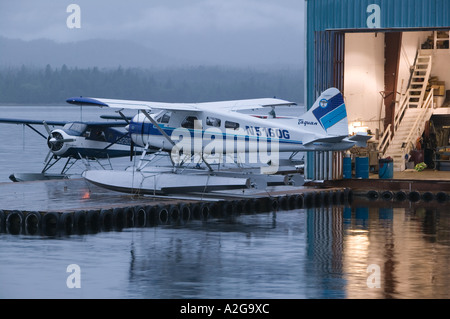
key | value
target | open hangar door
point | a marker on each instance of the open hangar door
(378, 80)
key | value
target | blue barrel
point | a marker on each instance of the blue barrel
(347, 167)
(362, 167)
(385, 168)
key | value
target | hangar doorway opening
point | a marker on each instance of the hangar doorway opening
(381, 75)
(395, 85)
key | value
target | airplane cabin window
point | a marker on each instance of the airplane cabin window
(213, 121)
(165, 118)
(232, 125)
(189, 122)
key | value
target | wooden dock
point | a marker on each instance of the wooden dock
(74, 206)
(69, 206)
(425, 186)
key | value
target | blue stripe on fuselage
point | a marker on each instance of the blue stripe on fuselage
(150, 129)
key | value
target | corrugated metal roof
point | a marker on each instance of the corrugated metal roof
(367, 14)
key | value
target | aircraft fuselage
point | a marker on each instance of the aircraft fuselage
(237, 132)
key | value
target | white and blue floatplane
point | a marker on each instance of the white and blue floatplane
(200, 138)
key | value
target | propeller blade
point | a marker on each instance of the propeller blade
(48, 155)
(47, 128)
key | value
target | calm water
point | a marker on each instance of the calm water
(358, 251)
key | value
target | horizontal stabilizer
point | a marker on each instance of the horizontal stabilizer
(331, 139)
(360, 139)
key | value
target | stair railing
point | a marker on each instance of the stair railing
(389, 133)
(385, 139)
(418, 126)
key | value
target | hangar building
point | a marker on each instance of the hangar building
(391, 61)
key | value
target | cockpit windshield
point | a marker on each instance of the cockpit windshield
(76, 127)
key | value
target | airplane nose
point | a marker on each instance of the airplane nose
(56, 140)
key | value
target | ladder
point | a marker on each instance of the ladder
(399, 138)
(419, 79)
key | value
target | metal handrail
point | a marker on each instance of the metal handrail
(385, 139)
(401, 111)
(429, 102)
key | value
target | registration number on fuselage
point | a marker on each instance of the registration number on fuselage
(267, 132)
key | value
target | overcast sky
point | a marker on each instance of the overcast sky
(243, 32)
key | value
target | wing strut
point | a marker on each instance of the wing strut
(36, 131)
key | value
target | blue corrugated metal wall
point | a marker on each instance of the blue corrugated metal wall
(353, 14)
(364, 16)
(325, 18)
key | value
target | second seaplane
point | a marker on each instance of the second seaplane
(197, 136)
(78, 140)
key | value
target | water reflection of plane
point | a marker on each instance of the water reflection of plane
(87, 141)
(211, 259)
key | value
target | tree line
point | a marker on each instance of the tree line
(30, 85)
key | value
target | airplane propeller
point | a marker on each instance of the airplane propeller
(55, 140)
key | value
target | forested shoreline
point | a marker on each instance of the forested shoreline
(53, 85)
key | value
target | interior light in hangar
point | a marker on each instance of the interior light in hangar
(357, 127)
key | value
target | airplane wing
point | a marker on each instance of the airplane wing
(241, 105)
(115, 117)
(132, 105)
(236, 105)
(61, 123)
(32, 122)
(106, 124)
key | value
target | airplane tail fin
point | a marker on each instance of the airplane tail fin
(328, 115)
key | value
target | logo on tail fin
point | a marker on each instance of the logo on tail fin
(330, 111)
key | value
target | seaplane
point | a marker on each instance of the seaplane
(78, 140)
(200, 137)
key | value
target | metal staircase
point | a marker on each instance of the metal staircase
(419, 79)
(415, 107)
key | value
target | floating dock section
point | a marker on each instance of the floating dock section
(73, 206)
(396, 190)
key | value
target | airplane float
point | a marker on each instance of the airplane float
(217, 132)
(88, 141)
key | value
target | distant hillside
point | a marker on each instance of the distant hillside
(83, 54)
(53, 85)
